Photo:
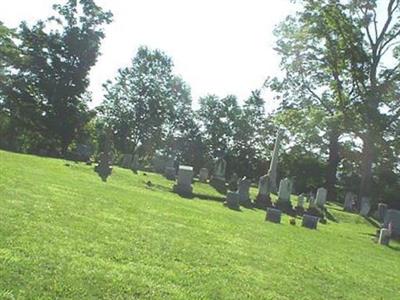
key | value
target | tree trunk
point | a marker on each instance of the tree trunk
(367, 158)
(333, 162)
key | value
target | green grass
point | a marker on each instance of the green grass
(66, 234)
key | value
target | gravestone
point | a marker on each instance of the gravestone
(311, 201)
(320, 199)
(382, 209)
(274, 163)
(310, 221)
(243, 191)
(300, 200)
(170, 171)
(126, 161)
(273, 215)
(384, 237)
(203, 175)
(285, 190)
(348, 201)
(233, 182)
(232, 200)
(263, 199)
(392, 217)
(183, 186)
(365, 206)
(218, 179)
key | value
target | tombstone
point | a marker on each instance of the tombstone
(365, 206)
(273, 215)
(382, 209)
(233, 182)
(104, 168)
(348, 202)
(320, 199)
(183, 186)
(309, 221)
(232, 200)
(218, 178)
(300, 200)
(274, 163)
(170, 171)
(392, 220)
(263, 199)
(203, 175)
(126, 161)
(243, 191)
(384, 237)
(285, 190)
(312, 203)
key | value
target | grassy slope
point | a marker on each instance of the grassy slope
(66, 234)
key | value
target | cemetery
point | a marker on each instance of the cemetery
(200, 149)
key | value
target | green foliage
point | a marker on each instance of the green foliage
(66, 234)
(46, 98)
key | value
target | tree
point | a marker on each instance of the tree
(139, 103)
(50, 80)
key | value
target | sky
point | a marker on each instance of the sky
(218, 46)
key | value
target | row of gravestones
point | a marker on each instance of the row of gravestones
(235, 199)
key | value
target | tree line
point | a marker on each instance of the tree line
(339, 99)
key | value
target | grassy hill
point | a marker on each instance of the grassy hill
(66, 234)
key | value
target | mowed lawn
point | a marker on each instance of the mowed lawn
(65, 234)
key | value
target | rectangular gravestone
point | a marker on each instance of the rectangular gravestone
(233, 200)
(184, 181)
(382, 210)
(320, 199)
(170, 173)
(203, 175)
(310, 221)
(365, 206)
(243, 190)
(273, 215)
(384, 237)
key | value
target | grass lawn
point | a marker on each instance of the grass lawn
(66, 234)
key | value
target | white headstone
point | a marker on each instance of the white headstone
(285, 189)
(365, 206)
(384, 237)
(321, 197)
(263, 185)
(184, 181)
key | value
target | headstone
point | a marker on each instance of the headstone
(184, 182)
(392, 220)
(365, 206)
(170, 173)
(384, 237)
(311, 202)
(348, 201)
(273, 215)
(285, 189)
(300, 200)
(243, 191)
(218, 179)
(382, 209)
(263, 199)
(126, 161)
(233, 182)
(310, 221)
(321, 197)
(274, 163)
(233, 200)
(203, 175)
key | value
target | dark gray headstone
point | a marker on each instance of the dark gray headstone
(310, 221)
(233, 200)
(273, 215)
(382, 209)
(392, 221)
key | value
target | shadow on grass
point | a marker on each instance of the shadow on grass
(394, 248)
(331, 217)
(208, 197)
